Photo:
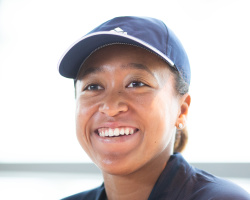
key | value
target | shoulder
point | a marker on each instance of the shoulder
(207, 186)
(93, 194)
(179, 180)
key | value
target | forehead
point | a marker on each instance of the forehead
(124, 56)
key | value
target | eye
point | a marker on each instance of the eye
(136, 84)
(92, 87)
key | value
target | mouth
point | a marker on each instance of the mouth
(116, 132)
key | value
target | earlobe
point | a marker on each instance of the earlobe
(183, 112)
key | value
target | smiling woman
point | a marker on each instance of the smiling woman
(214, 51)
(132, 102)
(114, 100)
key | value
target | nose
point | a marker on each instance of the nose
(113, 104)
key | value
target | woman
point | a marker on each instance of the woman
(131, 79)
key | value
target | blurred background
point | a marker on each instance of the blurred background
(39, 153)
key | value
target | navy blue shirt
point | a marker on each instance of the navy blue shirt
(180, 181)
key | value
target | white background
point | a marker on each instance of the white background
(37, 104)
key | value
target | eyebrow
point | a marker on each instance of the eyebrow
(90, 70)
(138, 66)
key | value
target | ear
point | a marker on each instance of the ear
(185, 101)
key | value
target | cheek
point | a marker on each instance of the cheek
(163, 126)
(85, 110)
(157, 108)
(83, 115)
(159, 114)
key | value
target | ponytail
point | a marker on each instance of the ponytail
(181, 139)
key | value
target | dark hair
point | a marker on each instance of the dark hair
(181, 86)
(181, 136)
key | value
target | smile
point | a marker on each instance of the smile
(110, 132)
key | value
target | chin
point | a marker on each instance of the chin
(116, 167)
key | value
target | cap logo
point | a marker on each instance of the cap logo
(119, 30)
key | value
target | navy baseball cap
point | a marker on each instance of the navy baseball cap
(148, 33)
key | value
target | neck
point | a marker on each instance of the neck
(137, 185)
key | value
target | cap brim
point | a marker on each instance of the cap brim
(73, 58)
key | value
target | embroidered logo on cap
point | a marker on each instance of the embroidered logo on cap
(119, 30)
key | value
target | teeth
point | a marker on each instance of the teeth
(108, 132)
(102, 134)
(127, 131)
(111, 132)
(116, 132)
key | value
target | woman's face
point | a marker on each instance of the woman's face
(126, 108)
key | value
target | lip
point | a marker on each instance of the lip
(117, 145)
(114, 125)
